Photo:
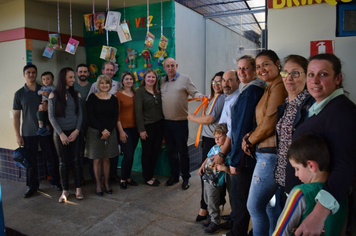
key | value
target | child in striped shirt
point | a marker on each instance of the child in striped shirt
(310, 157)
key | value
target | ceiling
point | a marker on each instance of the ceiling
(245, 17)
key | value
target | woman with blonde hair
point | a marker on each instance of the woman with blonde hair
(149, 119)
(102, 142)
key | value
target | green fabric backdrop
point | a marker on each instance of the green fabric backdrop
(162, 167)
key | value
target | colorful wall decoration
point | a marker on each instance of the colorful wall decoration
(136, 19)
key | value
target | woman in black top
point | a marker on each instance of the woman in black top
(65, 115)
(102, 141)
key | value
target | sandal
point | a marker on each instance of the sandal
(154, 184)
(79, 196)
(64, 197)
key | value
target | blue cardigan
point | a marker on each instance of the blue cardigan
(242, 122)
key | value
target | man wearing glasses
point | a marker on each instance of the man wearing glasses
(175, 89)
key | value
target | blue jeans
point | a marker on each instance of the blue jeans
(262, 190)
(176, 133)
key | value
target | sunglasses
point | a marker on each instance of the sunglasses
(293, 74)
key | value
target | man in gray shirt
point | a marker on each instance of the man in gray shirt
(27, 101)
(82, 85)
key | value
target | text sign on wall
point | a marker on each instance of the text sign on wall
(290, 3)
(321, 46)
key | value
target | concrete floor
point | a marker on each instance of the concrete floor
(141, 210)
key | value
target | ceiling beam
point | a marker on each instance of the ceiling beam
(217, 3)
(234, 13)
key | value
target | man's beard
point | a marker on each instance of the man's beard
(81, 78)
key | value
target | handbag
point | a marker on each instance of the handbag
(21, 158)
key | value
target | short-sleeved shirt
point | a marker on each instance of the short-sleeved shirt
(211, 176)
(83, 90)
(27, 101)
(214, 109)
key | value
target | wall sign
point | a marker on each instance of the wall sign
(290, 3)
(321, 46)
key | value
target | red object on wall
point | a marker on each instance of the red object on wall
(321, 46)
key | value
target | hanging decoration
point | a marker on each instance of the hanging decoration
(131, 58)
(93, 69)
(123, 30)
(55, 39)
(72, 44)
(146, 54)
(108, 53)
(162, 45)
(48, 52)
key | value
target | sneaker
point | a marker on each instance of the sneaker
(206, 223)
(40, 131)
(212, 229)
(46, 133)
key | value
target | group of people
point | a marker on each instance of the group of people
(268, 127)
(91, 120)
(287, 143)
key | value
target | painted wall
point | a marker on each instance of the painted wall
(39, 15)
(203, 50)
(12, 12)
(190, 53)
(12, 60)
(315, 22)
(221, 49)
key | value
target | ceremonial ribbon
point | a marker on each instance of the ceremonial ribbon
(205, 102)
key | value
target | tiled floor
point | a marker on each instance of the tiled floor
(141, 210)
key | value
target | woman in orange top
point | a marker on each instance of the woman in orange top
(126, 125)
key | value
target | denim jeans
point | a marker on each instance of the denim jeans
(262, 190)
(176, 133)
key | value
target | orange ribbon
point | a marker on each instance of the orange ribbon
(205, 102)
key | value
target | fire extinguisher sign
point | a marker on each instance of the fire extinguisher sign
(321, 46)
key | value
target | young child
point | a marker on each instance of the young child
(310, 158)
(213, 181)
(44, 127)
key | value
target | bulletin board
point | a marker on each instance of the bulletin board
(136, 17)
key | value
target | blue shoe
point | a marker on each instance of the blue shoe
(46, 133)
(212, 229)
(40, 131)
(206, 223)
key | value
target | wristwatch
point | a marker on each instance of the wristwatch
(222, 155)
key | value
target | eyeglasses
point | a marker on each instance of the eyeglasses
(293, 74)
(216, 82)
